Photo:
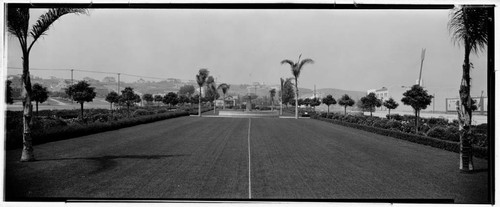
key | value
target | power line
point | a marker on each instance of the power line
(101, 72)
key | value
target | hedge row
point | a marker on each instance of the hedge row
(71, 131)
(481, 152)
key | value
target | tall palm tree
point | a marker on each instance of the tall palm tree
(225, 87)
(201, 79)
(272, 93)
(296, 68)
(212, 88)
(469, 28)
(17, 25)
(282, 81)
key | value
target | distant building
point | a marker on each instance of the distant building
(382, 94)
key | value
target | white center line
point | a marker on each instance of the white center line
(249, 167)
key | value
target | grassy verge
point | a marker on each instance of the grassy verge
(481, 152)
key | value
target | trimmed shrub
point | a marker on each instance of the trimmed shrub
(481, 152)
(75, 129)
(437, 121)
(452, 134)
(395, 117)
(141, 112)
(438, 132)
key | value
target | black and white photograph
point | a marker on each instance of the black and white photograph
(247, 102)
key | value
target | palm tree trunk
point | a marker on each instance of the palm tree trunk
(224, 101)
(36, 102)
(465, 116)
(389, 112)
(296, 99)
(111, 106)
(27, 153)
(345, 110)
(199, 104)
(328, 112)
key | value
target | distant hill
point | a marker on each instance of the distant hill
(336, 93)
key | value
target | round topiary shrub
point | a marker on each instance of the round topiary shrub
(452, 134)
(381, 124)
(394, 124)
(140, 112)
(438, 132)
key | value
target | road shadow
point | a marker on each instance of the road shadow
(105, 163)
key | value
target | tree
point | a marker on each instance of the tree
(187, 90)
(171, 99)
(148, 98)
(8, 93)
(272, 94)
(224, 87)
(39, 94)
(296, 68)
(287, 94)
(306, 102)
(469, 28)
(137, 98)
(158, 99)
(212, 93)
(184, 99)
(346, 101)
(329, 100)
(315, 102)
(369, 102)
(201, 79)
(81, 92)
(418, 99)
(391, 104)
(128, 97)
(112, 97)
(18, 19)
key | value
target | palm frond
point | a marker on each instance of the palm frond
(201, 77)
(45, 20)
(305, 61)
(17, 23)
(469, 27)
(291, 63)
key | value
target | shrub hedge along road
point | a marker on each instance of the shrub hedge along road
(481, 152)
(51, 127)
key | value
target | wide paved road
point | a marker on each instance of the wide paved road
(241, 158)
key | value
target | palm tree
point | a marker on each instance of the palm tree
(296, 68)
(212, 88)
(225, 87)
(201, 79)
(17, 25)
(469, 28)
(281, 95)
(272, 93)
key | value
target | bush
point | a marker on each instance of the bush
(395, 117)
(480, 152)
(74, 129)
(438, 132)
(141, 112)
(383, 123)
(452, 134)
(394, 124)
(437, 121)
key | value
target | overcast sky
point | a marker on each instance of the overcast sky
(352, 49)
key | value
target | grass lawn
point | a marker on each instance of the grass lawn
(208, 158)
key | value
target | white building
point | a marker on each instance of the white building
(382, 94)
